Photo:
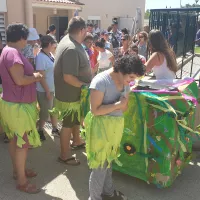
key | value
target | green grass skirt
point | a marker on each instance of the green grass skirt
(103, 137)
(63, 109)
(18, 119)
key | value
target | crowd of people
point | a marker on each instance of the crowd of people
(41, 73)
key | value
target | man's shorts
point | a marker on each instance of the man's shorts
(71, 120)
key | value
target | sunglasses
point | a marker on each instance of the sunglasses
(123, 39)
(141, 36)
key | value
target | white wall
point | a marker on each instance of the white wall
(107, 9)
(3, 6)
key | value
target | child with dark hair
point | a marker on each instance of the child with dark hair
(133, 50)
(105, 58)
(45, 88)
(87, 45)
(105, 36)
(90, 27)
(105, 123)
(52, 31)
(124, 31)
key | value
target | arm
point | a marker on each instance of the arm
(124, 109)
(96, 99)
(70, 68)
(112, 60)
(72, 80)
(153, 61)
(43, 81)
(111, 48)
(17, 73)
(96, 67)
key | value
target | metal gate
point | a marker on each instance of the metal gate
(179, 27)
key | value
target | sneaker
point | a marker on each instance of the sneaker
(42, 136)
(5, 139)
(117, 196)
(55, 133)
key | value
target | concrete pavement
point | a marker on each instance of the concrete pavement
(60, 182)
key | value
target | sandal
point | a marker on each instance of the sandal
(29, 174)
(68, 161)
(28, 188)
(78, 147)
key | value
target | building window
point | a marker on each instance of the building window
(3, 28)
(98, 22)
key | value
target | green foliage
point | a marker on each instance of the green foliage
(147, 14)
(192, 5)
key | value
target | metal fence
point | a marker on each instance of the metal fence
(179, 27)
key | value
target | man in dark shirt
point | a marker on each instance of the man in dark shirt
(72, 71)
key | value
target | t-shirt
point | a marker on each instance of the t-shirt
(103, 59)
(104, 83)
(71, 58)
(45, 63)
(11, 91)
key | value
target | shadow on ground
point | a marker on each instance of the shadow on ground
(62, 182)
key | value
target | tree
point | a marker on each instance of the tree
(192, 5)
(147, 14)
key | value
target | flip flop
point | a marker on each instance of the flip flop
(28, 188)
(67, 161)
(78, 147)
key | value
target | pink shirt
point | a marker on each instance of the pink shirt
(11, 91)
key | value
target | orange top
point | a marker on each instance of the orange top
(94, 56)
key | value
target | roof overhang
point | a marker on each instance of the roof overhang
(57, 5)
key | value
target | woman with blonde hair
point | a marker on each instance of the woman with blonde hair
(163, 60)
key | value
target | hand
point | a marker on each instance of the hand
(49, 95)
(123, 102)
(38, 76)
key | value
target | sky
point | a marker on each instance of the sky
(150, 4)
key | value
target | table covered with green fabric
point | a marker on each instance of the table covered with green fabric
(157, 139)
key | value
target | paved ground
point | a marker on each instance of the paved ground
(193, 72)
(61, 182)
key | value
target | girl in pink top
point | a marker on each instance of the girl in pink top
(18, 111)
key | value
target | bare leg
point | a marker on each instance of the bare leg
(65, 136)
(76, 136)
(54, 122)
(12, 151)
(20, 163)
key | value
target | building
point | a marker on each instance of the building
(41, 13)
(38, 13)
(101, 12)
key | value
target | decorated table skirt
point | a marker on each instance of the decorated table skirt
(157, 138)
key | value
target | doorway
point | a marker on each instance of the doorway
(61, 24)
